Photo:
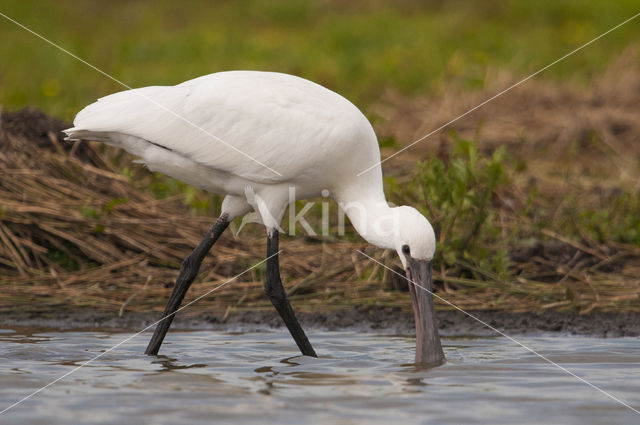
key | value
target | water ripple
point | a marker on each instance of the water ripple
(251, 378)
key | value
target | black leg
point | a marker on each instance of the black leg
(188, 272)
(277, 295)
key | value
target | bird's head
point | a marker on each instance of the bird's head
(414, 237)
(415, 243)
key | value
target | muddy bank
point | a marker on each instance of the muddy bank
(384, 320)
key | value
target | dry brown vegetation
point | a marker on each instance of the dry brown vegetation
(76, 232)
(64, 207)
(580, 136)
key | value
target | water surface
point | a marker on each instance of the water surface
(247, 378)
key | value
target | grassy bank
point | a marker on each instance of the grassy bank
(517, 230)
(534, 197)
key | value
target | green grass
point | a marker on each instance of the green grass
(359, 49)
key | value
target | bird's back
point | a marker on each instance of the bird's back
(261, 126)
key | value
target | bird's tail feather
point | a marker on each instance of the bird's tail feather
(133, 144)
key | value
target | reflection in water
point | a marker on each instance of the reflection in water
(169, 363)
(360, 378)
(416, 381)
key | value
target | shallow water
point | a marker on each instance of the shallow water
(247, 378)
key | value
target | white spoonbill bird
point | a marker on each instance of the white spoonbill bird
(253, 136)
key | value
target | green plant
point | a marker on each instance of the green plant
(457, 194)
(617, 221)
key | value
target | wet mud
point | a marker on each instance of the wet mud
(382, 320)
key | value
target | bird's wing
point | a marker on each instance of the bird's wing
(263, 127)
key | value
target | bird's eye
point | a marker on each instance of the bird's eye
(406, 250)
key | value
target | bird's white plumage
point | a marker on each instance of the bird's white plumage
(241, 132)
(225, 120)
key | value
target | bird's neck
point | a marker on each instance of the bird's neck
(370, 214)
